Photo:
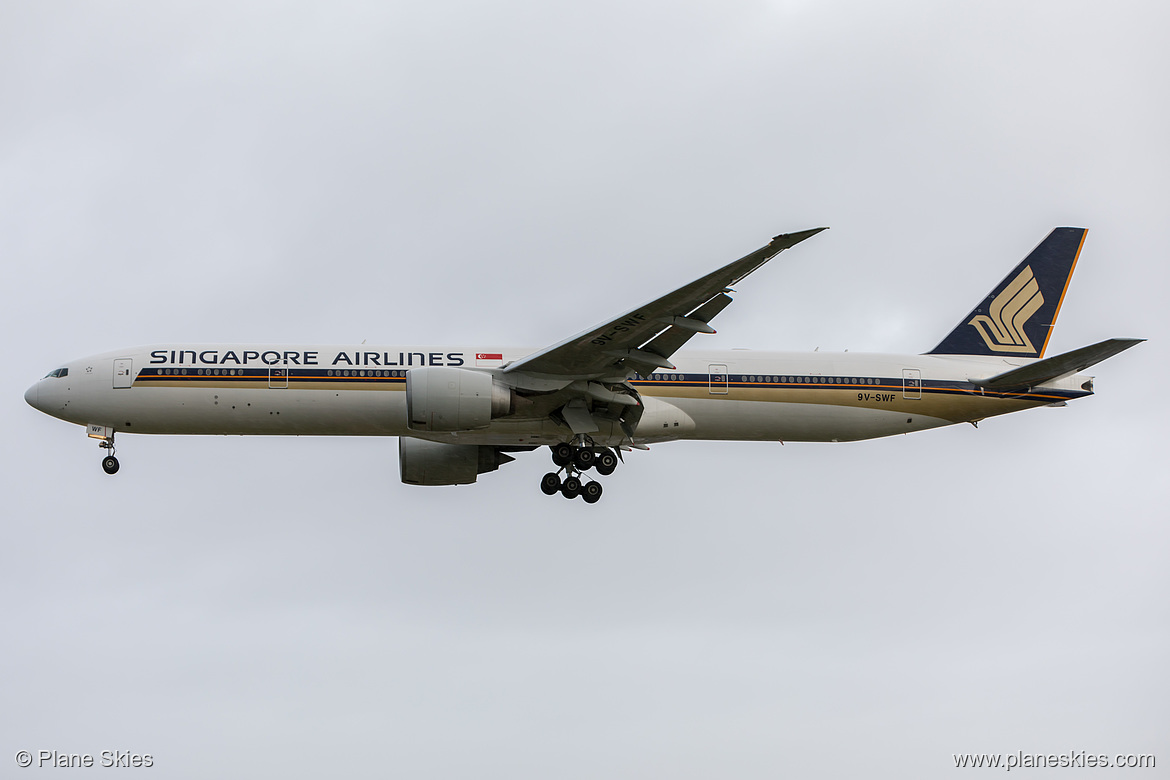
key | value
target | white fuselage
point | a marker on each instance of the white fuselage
(360, 391)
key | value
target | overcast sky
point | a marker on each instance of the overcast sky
(513, 173)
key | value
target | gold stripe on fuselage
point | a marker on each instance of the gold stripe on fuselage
(951, 404)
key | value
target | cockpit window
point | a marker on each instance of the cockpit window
(57, 373)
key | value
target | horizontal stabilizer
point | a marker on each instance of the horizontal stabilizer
(1036, 374)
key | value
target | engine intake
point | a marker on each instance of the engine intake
(442, 398)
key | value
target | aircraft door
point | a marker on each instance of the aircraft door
(718, 379)
(278, 375)
(911, 383)
(123, 373)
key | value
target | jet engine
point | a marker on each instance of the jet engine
(423, 462)
(442, 398)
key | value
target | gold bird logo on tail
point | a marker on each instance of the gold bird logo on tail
(1003, 327)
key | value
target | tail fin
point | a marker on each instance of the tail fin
(1016, 318)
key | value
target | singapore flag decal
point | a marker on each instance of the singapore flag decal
(488, 359)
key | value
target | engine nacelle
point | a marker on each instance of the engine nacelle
(442, 398)
(423, 462)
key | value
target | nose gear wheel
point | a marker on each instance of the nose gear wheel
(109, 463)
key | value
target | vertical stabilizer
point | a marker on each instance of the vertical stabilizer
(1016, 318)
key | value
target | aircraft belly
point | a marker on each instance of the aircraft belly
(270, 411)
(781, 421)
(832, 414)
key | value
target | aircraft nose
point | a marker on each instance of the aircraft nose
(31, 394)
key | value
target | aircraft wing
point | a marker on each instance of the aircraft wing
(644, 338)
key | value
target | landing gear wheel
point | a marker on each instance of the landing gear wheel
(584, 458)
(606, 462)
(550, 483)
(591, 492)
(110, 464)
(571, 487)
(562, 454)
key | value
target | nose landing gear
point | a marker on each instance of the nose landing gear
(573, 462)
(109, 463)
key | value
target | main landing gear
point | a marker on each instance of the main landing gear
(574, 461)
(109, 463)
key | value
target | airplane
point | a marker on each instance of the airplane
(459, 412)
